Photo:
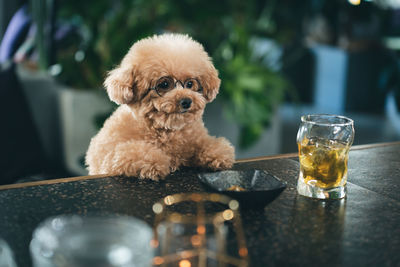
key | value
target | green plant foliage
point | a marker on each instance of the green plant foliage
(251, 90)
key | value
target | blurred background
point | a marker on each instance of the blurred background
(277, 60)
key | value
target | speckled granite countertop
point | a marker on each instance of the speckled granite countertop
(361, 230)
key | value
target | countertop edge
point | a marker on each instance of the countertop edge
(88, 177)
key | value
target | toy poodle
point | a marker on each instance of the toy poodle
(162, 86)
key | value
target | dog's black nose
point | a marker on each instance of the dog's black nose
(185, 103)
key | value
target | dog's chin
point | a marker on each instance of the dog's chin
(175, 121)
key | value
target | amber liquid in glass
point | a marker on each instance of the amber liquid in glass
(323, 163)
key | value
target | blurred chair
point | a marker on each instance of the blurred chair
(22, 153)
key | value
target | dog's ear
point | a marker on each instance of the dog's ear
(210, 83)
(120, 84)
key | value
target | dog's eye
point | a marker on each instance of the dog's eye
(163, 85)
(192, 84)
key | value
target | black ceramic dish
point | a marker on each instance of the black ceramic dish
(257, 187)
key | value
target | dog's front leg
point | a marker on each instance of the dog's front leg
(137, 158)
(215, 153)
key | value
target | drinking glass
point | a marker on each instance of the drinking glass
(91, 241)
(324, 142)
(189, 232)
(6, 255)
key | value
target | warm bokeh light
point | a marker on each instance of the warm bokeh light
(184, 263)
(233, 204)
(154, 243)
(195, 240)
(201, 230)
(169, 200)
(227, 215)
(157, 208)
(158, 260)
(354, 2)
(243, 252)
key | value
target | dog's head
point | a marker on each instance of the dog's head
(169, 78)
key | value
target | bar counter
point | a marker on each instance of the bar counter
(362, 229)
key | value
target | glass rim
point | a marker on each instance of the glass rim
(308, 119)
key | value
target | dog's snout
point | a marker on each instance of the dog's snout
(185, 103)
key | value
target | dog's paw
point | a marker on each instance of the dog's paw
(154, 172)
(221, 163)
(217, 154)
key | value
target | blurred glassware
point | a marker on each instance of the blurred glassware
(194, 229)
(6, 255)
(91, 241)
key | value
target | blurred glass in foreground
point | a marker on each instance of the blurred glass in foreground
(6, 255)
(91, 241)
